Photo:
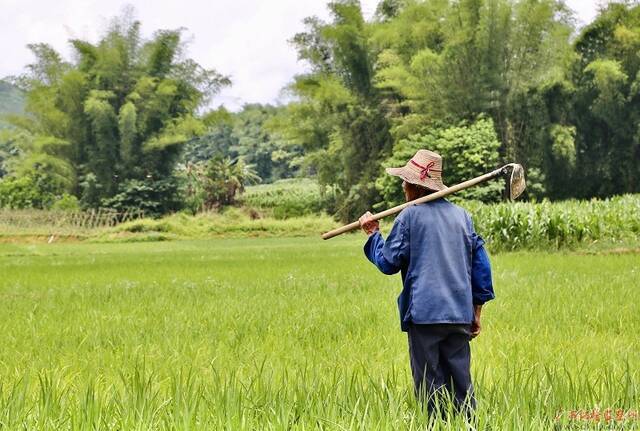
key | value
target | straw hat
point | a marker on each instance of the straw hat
(424, 169)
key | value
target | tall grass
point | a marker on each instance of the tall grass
(73, 223)
(295, 334)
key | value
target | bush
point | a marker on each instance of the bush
(28, 191)
(66, 202)
(467, 151)
(19, 193)
(153, 197)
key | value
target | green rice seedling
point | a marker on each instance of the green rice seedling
(298, 334)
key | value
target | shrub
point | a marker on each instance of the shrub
(467, 151)
(215, 183)
(34, 190)
(66, 202)
(154, 197)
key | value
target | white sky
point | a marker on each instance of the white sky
(246, 39)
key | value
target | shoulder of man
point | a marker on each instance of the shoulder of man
(463, 212)
(404, 215)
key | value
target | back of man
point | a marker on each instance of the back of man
(440, 238)
(446, 279)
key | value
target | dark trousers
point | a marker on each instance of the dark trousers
(440, 363)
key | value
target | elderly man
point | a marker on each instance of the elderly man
(446, 279)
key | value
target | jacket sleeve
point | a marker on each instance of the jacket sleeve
(481, 280)
(389, 256)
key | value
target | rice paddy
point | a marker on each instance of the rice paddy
(299, 334)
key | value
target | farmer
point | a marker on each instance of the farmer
(446, 279)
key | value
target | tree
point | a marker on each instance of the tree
(272, 157)
(468, 150)
(117, 115)
(217, 182)
(606, 108)
(442, 62)
(249, 134)
(338, 118)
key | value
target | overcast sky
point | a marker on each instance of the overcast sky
(246, 39)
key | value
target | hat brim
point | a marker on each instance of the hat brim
(414, 178)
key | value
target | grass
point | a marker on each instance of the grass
(233, 222)
(279, 334)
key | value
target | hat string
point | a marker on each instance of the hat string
(424, 170)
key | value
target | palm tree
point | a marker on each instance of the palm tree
(221, 179)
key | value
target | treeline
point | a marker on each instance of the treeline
(480, 81)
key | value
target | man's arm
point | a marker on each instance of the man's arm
(476, 327)
(481, 281)
(387, 257)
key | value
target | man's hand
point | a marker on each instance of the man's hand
(367, 223)
(475, 325)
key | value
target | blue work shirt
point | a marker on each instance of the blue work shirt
(445, 268)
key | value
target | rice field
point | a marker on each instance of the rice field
(299, 334)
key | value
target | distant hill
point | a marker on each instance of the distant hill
(11, 101)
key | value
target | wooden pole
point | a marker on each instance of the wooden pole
(428, 198)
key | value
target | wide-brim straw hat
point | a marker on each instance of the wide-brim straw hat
(424, 170)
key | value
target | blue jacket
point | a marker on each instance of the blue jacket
(445, 268)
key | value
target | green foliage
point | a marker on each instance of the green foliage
(153, 197)
(27, 191)
(564, 147)
(66, 202)
(40, 178)
(565, 107)
(606, 113)
(270, 156)
(230, 222)
(518, 225)
(288, 198)
(535, 190)
(285, 209)
(248, 134)
(122, 108)
(219, 140)
(468, 151)
(8, 151)
(11, 102)
(217, 182)
(338, 119)
(442, 62)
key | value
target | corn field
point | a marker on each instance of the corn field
(523, 225)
